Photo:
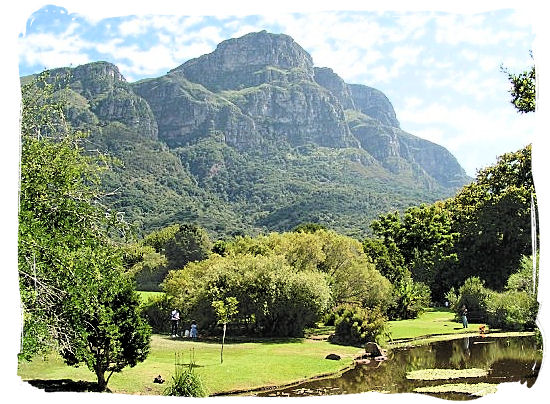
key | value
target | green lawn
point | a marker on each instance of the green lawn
(145, 295)
(434, 321)
(245, 366)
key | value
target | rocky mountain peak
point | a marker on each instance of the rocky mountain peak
(98, 71)
(250, 60)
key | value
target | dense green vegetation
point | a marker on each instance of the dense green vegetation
(176, 169)
(514, 308)
(483, 231)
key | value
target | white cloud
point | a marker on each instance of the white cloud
(477, 30)
(475, 137)
(467, 83)
(135, 26)
(52, 51)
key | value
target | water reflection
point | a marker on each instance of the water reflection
(510, 359)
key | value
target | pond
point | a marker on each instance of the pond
(499, 359)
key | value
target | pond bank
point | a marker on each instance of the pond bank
(478, 365)
(409, 343)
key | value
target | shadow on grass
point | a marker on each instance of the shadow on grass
(69, 385)
(236, 340)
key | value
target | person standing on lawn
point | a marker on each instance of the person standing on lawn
(464, 313)
(174, 320)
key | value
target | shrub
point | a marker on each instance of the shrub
(512, 310)
(410, 299)
(274, 299)
(356, 325)
(523, 278)
(185, 382)
(475, 296)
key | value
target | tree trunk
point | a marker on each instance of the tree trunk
(101, 382)
(223, 340)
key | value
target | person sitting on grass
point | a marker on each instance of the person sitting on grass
(193, 333)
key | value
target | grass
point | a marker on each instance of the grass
(146, 295)
(434, 321)
(245, 366)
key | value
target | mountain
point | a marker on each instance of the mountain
(253, 137)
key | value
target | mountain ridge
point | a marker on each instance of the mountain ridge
(254, 111)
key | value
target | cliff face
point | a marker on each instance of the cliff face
(251, 60)
(257, 134)
(254, 88)
(99, 94)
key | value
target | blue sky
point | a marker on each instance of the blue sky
(440, 69)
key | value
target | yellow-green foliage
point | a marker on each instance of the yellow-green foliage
(478, 389)
(283, 281)
(442, 374)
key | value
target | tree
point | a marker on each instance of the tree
(274, 299)
(109, 333)
(74, 295)
(523, 89)
(58, 214)
(225, 312)
(309, 227)
(423, 236)
(189, 243)
(492, 216)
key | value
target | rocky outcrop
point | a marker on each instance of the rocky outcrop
(105, 97)
(325, 77)
(302, 113)
(187, 112)
(399, 151)
(372, 349)
(373, 103)
(249, 61)
(259, 87)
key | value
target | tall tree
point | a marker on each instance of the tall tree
(70, 272)
(493, 217)
(189, 243)
(424, 239)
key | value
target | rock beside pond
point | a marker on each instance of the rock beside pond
(372, 349)
(333, 357)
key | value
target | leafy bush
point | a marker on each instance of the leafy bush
(410, 299)
(475, 296)
(512, 310)
(356, 325)
(523, 278)
(274, 299)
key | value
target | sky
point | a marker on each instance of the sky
(437, 61)
(440, 69)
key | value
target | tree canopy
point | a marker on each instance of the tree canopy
(73, 290)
